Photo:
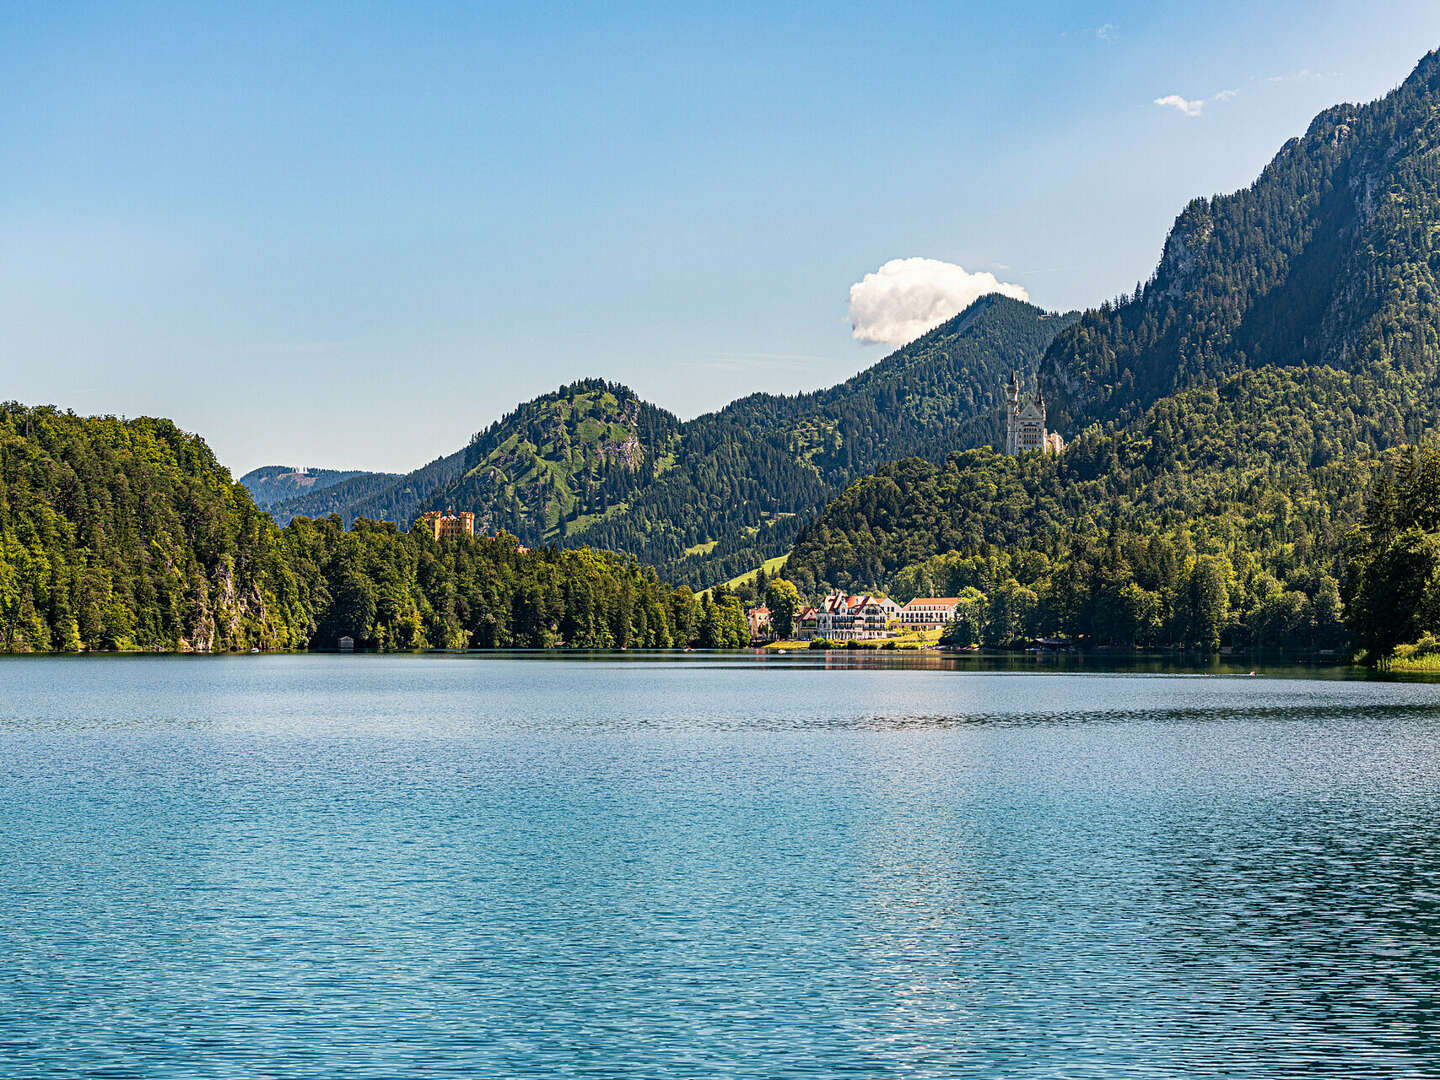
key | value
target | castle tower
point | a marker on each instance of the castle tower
(1012, 412)
(448, 524)
(1025, 421)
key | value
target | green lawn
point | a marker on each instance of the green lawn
(772, 567)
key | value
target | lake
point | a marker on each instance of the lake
(708, 866)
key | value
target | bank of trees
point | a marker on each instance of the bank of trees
(1133, 591)
(1393, 583)
(390, 589)
(128, 535)
(1217, 519)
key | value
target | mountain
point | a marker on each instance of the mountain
(747, 476)
(272, 484)
(555, 462)
(563, 461)
(1232, 413)
(592, 464)
(377, 496)
(1224, 459)
(125, 535)
(1330, 258)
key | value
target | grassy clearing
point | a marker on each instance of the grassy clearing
(771, 566)
(581, 522)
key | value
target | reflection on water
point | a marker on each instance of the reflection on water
(662, 867)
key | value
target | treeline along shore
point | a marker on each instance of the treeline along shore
(128, 535)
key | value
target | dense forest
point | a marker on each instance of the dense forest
(1245, 476)
(703, 500)
(562, 461)
(128, 535)
(1393, 578)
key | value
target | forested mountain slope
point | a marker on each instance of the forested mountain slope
(1330, 257)
(130, 535)
(1234, 412)
(1262, 458)
(563, 460)
(554, 462)
(746, 476)
(375, 496)
(1254, 483)
(592, 464)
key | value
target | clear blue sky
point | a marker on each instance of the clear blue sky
(353, 234)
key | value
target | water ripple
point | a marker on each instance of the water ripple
(384, 867)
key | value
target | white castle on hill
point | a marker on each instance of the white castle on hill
(1025, 425)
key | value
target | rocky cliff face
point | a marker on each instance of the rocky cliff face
(1325, 259)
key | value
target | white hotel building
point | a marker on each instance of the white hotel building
(929, 612)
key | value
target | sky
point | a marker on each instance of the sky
(352, 235)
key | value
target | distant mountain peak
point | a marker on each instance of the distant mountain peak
(1319, 261)
(270, 485)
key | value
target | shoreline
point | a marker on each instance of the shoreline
(932, 658)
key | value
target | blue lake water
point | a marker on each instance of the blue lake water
(359, 866)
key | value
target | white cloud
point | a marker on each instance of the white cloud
(1193, 107)
(1106, 32)
(906, 297)
(1175, 101)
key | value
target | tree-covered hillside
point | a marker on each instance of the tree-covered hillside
(543, 471)
(1265, 471)
(128, 535)
(1393, 578)
(562, 461)
(1330, 257)
(747, 476)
